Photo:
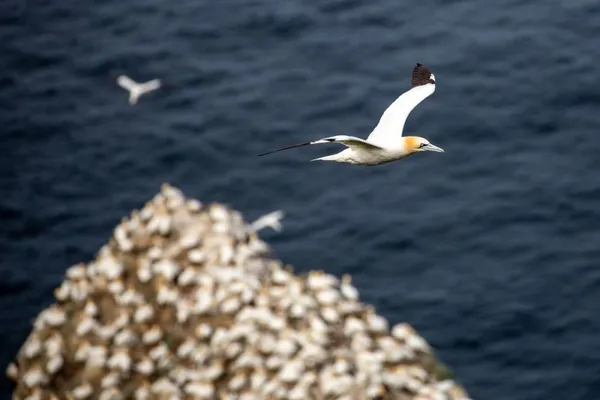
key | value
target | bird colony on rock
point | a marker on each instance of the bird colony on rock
(184, 302)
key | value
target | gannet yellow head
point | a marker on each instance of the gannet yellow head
(414, 144)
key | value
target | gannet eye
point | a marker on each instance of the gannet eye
(422, 145)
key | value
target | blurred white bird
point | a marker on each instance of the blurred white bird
(385, 143)
(137, 89)
(271, 220)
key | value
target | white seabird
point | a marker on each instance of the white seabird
(271, 220)
(137, 89)
(385, 143)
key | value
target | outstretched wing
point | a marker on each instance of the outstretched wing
(348, 141)
(150, 85)
(388, 131)
(126, 83)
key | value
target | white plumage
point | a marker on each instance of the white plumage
(386, 142)
(137, 89)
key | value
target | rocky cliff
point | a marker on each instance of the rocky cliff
(185, 302)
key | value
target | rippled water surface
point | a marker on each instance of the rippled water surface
(490, 249)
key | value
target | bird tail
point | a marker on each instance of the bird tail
(326, 158)
(134, 95)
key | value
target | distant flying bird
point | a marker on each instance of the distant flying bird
(271, 220)
(137, 89)
(386, 143)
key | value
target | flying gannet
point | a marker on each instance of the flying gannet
(137, 89)
(385, 143)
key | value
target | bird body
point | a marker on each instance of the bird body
(137, 89)
(362, 152)
(385, 143)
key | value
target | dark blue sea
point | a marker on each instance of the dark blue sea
(491, 249)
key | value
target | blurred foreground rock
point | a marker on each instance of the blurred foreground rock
(184, 302)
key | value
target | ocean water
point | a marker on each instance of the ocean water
(491, 249)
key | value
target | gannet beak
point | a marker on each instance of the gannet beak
(431, 147)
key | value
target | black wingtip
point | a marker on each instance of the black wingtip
(268, 152)
(421, 75)
(285, 148)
